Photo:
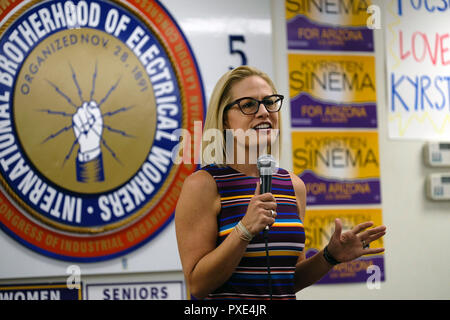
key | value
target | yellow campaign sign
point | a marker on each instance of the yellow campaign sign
(319, 227)
(332, 77)
(338, 167)
(336, 12)
(337, 155)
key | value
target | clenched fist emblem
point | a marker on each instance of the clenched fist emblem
(88, 127)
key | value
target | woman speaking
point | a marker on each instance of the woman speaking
(222, 217)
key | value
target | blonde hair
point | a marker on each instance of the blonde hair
(220, 98)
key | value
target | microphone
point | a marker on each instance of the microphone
(266, 166)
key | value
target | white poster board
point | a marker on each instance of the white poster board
(418, 69)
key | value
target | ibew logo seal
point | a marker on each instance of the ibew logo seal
(91, 93)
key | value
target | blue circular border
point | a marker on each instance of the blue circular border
(166, 223)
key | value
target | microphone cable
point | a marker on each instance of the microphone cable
(269, 275)
(266, 166)
(266, 186)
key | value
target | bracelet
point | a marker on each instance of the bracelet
(330, 259)
(244, 234)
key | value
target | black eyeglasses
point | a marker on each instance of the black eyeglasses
(250, 105)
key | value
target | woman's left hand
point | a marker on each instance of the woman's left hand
(349, 245)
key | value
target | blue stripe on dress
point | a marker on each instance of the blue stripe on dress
(282, 237)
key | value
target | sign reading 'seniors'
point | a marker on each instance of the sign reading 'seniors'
(92, 94)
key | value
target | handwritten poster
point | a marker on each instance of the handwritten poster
(319, 226)
(418, 69)
(328, 25)
(332, 91)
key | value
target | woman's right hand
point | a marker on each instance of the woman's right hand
(259, 211)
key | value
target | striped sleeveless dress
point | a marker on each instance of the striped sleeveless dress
(286, 237)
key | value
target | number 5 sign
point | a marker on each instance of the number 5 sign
(232, 40)
(226, 34)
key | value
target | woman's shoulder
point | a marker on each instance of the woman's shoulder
(199, 179)
(200, 188)
(205, 177)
